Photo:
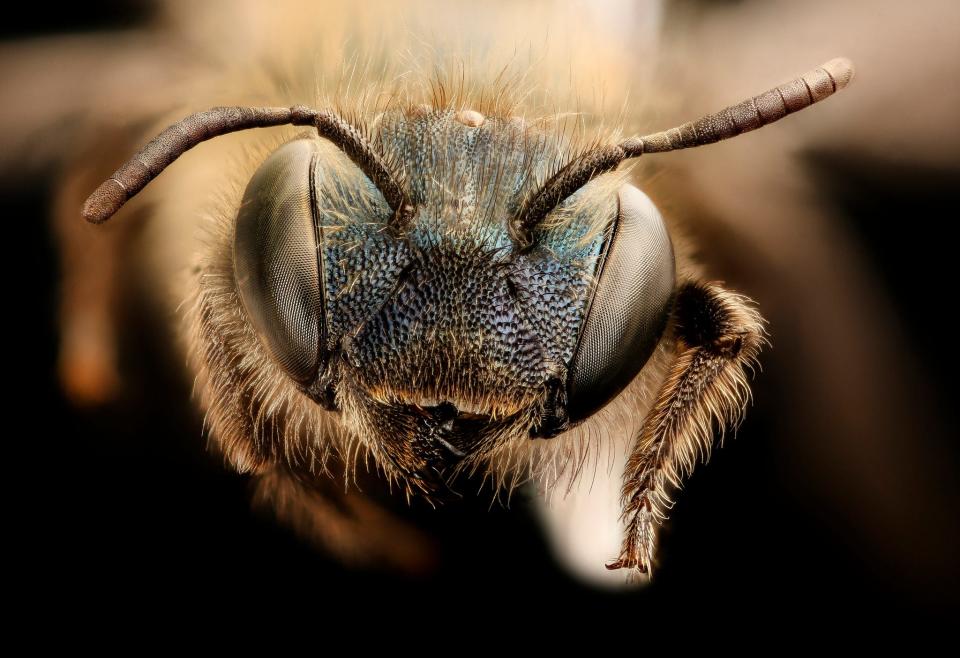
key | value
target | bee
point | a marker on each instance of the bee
(451, 290)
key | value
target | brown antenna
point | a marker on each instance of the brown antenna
(749, 115)
(182, 136)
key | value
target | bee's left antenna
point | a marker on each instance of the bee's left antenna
(753, 113)
(182, 136)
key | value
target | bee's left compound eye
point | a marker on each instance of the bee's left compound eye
(628, 307)
(275, 259)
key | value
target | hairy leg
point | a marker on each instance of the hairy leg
(718, 335)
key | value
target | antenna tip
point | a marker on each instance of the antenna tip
(104, 202)
(841, 70)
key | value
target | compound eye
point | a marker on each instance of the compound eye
(275, 259)
(628, 306)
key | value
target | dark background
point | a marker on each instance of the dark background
(122, 513)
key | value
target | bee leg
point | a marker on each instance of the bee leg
(92, 281)
(717, 335)
(345, 523)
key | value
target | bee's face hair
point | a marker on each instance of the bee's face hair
(438, 339)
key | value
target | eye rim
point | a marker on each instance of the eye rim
(587, 394)
(281, 345)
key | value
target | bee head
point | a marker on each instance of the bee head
(442, 338)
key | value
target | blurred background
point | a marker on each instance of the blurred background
(836, 506)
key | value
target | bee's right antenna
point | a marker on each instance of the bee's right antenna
(182, 136)
(749, 115)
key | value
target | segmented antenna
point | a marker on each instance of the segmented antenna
(749, 115)
(179, 138)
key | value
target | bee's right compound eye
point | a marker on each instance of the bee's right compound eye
(628, 307)
(275, 259)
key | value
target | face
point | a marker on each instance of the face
(436, 344)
